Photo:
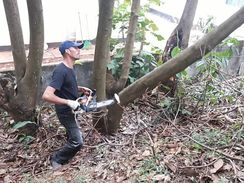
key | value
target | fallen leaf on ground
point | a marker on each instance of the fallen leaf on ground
(146, 153)
(217, 166)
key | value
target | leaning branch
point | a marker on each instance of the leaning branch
(184, 59)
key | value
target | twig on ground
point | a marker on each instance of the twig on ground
(233, 165)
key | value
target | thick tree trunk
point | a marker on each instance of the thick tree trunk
(115, 112)
(16, 37)
(184, 59)
(31, 80)
(19, 98)
(179, 38)
(102, 57)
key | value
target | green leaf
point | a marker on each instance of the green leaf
(140, 63)
(159, 37)
(132, 79)
(22, 124)
(87, 44)
(175, 51)
(21, 139)
(153, 26)
(78, 62)
(166, 103)
(110, 66)
(231, 41)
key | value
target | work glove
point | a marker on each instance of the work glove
(73, 104)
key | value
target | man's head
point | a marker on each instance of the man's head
(64, 46)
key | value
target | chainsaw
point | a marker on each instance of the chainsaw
(91, 104)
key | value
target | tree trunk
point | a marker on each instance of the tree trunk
(120, 84)
(19, 98)
(102, 57)
(115, 112)
(16, 37)
(184, 59)
(234, 65)
(179, 38)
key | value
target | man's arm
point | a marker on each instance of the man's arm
(49, 96)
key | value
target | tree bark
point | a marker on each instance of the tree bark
(33, 68)
(179, 38)
(19, 99)
(16, 37)
(184, 59)
(120, 84)
(102, 57)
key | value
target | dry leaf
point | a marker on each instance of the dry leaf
(178, 150)
(2, 171)
(217, 166)
(146, 153)
(120, 179)
(173, 145)
(229, 119)
(7, 179)
(158, 177)
(139, 158)
(56, 173)
(189, 172)
(171, 166)
(227, 167)
(240, 174)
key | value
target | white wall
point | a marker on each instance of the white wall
(67, 19)
(61, 20)
(216, 8)
(4, 33)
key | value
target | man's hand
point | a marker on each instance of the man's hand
(86, 91)
(73, 104)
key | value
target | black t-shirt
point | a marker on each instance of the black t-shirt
(64, 81)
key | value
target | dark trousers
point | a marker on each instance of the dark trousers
(74, 138)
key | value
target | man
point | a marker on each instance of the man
(63, 92)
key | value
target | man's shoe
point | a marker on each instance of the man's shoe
(55, 165)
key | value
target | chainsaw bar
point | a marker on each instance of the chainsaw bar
(93, 105)
(97, 105)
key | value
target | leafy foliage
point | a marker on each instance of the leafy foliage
(22, 124)
(143, 62)
(121, 18)
(140, 65)
(211, 137)
(149, 166)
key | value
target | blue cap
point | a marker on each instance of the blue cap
(68, 44)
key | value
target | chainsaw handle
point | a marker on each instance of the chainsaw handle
(79, 99)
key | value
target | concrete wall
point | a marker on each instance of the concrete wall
(83, 73)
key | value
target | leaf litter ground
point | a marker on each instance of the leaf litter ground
(157, 142)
